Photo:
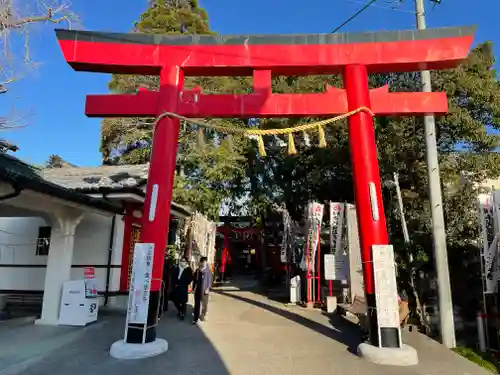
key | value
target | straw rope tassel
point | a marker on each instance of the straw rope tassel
(321, 136)
(260, 143)
(319, 125)
(291, 145)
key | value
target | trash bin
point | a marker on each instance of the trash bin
(295, 289)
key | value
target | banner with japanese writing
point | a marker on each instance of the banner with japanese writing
(315, 218)
(336, 226)
(140, 283)
(487, 214)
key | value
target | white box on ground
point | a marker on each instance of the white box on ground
(331, 304)
(76, 309)
(295, 289)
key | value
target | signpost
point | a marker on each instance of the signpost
(386, 292)
(140, 285)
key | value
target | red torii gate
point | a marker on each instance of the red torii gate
(354, 55)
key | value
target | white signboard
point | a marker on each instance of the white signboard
(487, 214)
(336, 267)
(315, 220)
(140, 283)
(336, 226)
(386, 292)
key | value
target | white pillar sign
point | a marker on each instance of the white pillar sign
(315, 220)
(488, 216)
(140, 283)
(336, 266)
(386, 292)
(336, 226)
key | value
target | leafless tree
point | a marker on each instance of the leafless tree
(17, 19)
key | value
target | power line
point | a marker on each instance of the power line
(366, 6)
(393, 8)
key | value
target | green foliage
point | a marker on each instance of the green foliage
(485, 360)
(55, 161)
(215, 172)
(204, 174)
(467, 156)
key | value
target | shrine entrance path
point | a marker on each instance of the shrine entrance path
(245, 334)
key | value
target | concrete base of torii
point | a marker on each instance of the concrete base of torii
(404, 356)
(123, 350)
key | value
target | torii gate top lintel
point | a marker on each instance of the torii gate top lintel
(295, 54)
(262, 56)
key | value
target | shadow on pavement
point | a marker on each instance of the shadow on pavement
(342, 331)
(190, 352)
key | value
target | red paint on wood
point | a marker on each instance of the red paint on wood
(158, 199)
(333, 102)
(365, 170)
(127, 240)
(290, 59)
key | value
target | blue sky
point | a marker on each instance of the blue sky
(51, 100)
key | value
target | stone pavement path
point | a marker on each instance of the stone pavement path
(245, 334)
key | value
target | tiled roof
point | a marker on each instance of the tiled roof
(95, 178)
(106, 178)
(24, 176)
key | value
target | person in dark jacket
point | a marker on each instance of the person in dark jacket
(202, 284)
(182, 276)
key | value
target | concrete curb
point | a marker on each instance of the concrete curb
(404, 356)
(122, 350)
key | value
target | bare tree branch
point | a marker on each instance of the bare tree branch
(17, 19)
(14, 23)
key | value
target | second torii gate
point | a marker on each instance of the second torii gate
(354, 55)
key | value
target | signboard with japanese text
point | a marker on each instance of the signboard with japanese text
(336, 266)
(140, 283)
(336, 226)
(488, 213)
(386, 292)
(315, 218)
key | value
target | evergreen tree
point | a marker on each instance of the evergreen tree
(467, 143)
(204, 173)
(55, 161)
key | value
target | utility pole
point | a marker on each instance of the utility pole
(447, 326)
(401, 211)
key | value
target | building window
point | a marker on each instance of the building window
(43, 241)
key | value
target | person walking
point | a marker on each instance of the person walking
(202, 284)
(182, 276)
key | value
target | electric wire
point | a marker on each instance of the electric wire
(361, 10)
(389, 8)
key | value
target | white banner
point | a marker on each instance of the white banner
(336, 226)
(490, 242)
(140, 283)
(315, 211)
(386, 292)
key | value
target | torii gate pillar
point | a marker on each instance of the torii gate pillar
(354, 55)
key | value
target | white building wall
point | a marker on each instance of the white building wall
(18, 237)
